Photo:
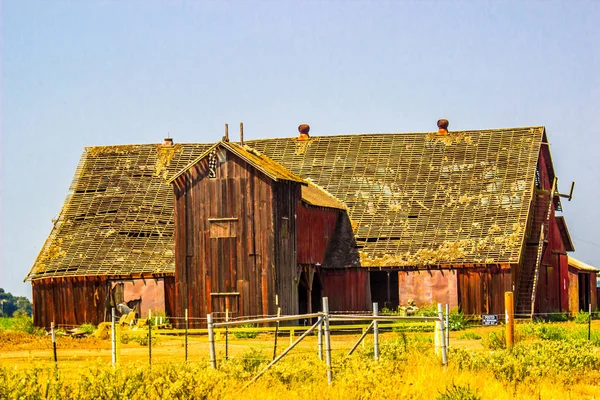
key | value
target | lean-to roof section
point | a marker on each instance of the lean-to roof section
(118, 216)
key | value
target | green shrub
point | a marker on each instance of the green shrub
(24, 323)
(457, 320)
(87, 328)
(252, 359)
(469, 336)
(495, 340)
(458, 392)
(582, 317)
(246, 335)
(557, 317)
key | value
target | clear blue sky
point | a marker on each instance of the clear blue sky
(85, 73)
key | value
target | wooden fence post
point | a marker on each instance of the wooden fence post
(509, 306)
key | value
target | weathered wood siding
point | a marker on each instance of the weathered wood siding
(573, 290)
(427, 287)
(70, 301)
(285, 201)
(347, 289)
(481, 290)
(315, 227)
(226, 251)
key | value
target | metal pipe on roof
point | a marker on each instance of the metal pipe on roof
(242, 133)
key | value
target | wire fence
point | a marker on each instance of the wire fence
(268, 338)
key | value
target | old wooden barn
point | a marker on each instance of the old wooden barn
(458, 218)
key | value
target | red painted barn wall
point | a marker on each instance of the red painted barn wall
(427, 287)
(347, 289)
(315, 227)
(553, 281)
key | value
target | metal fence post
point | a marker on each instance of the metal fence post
(327, 340)
(211, 341)
(150, 337)
(375, 331)
(53, 340)
(114, 337)
(227, 334)
(187, 326)
(276, 333)
(320, 340)
(447, 325)
(443, 336)
(590, 323)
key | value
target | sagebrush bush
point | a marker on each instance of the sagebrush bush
(469, 336)
(24, 323)
(246, 335)
(582, 317)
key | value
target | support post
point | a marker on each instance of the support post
(361, 338)
(327, 340)
(375, 332)
(53, 340)
(320, 340)
(150, 337)
(447, 325)
(187, 327)
(305, 334)
(113, 330)
(211, 341)
(509, 307)
(442, 336)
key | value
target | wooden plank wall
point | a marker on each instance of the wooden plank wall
(427, 287)
(244, 262)
(287, 243)
(481, 290)
(169, 282)
(347, 289)
(70, 301)
(573, 291)
(315, 227)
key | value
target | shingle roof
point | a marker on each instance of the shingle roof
(414, 199)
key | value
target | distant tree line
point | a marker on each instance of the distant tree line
(9, 304)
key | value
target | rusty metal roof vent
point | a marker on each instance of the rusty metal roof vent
(442, 126)
(304, 129)
(168, 141)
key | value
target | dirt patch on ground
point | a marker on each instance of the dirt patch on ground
(18, 341)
